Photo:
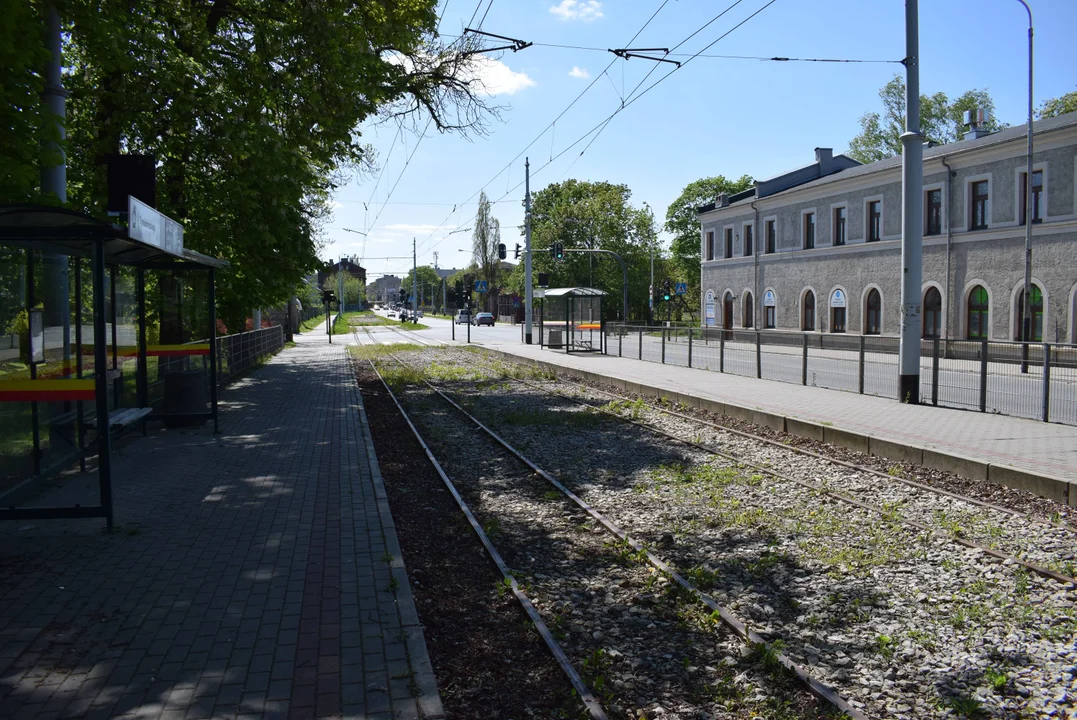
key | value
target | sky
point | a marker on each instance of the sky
(710, 116)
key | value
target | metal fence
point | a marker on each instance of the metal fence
(239, 352)
(1032, 380)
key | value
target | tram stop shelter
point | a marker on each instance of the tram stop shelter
(99, 331)
(571, 319)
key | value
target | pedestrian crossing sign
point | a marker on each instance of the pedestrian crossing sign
(480, 286)
(681, 288)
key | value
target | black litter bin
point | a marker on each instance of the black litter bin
(186, 402)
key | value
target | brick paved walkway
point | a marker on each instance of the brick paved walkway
(253, 574)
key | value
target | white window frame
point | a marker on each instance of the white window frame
(744, 238)
(1019, 191)
(815, 309)
(942, 309)
(829, 308)
(763, 307)
(767, 219)
(1015, 296)
(867, 223)
(712, 232)
(945, 221)
(963, 309)
(834, 226)
(969, 201)
(864, 309)
(733, 245)
(803, 234)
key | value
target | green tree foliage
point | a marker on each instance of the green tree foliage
(940, 120)
(354, 291)
(1058, 106)
(251, 108)
(484, 241)
(584, 214)
(428, 284)
(682, 222)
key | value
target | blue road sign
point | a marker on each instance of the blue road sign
(682, 288)
(480, 286)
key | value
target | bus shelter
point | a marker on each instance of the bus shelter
(571, 319)
(101, 332)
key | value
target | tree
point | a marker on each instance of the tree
(1058, 106)
(583, 214)
(251, 109)
(683, 223)
(429, 284)
(484, 241)
(354, 291)
(940, 121)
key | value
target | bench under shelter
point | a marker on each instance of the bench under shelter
(570, 319)
(99, 331)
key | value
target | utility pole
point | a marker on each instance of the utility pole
(1026, 320)
(414, 280)
(912, 216)
(54, 182)
(528, 293)
(650, 299)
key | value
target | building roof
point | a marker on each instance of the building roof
(1010, 134)
(574, 292)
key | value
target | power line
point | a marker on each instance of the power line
(544, 130)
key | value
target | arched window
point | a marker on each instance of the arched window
(808, 320)
(727, 311)
(933, 313)
(749, 311)
(979, 305)
(874, 313)
(1037, 314)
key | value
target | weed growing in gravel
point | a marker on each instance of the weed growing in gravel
(593, 671)
(767, 655)
(633, 409)
(625, 554)
(491, 527)
(703, 578)
(884, 645)
(963, 706)
(997, 679)
(378, 352)
(922, 638)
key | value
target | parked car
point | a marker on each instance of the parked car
(484, 318)
(392, 314)
(419, 313)
(463, 317)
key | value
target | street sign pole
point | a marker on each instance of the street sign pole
(528, 293)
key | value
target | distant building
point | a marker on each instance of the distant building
(818, 249)
(384, 289)
(346, 265)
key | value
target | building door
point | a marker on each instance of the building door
(727, 311)
(932, 313)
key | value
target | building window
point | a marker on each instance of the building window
(874, 314)
(772, 239)
(809, 231)
(837, 311)
(808, 321)
(875, 220)
(933, 313)
(1037, 314)
(727, 311)
(934, 212)
(749, 310)
(729, 242)
(710, 244)
(1037, 194)
(839, 226)
(979, 206)
(749, 232)
(979, 307)
(769, 317)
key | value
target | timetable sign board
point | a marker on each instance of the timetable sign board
(153, 228)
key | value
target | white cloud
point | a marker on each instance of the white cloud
(587, 10)
(498, 79)
(579, 72)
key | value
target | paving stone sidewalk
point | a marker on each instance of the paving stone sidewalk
(254, 573)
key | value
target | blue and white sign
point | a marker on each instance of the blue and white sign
(708, 309)
(768, 298)
(480, 286)
(837, 300)
(681, 288)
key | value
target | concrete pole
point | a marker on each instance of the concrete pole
(340, 286)
(414, 281)
(650, 298)
(912, 217)
(528, 292)
(256, 320)
(54, 182)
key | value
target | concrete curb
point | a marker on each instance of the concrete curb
(1058, 489)
(428, 698)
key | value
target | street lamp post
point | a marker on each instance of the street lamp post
(1026, 321)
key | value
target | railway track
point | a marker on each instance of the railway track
(616, 565)
(671, 502)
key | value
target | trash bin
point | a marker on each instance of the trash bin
(185, 399)
(555, 338)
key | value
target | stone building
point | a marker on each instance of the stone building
(818, 249)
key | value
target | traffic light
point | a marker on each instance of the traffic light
(557, 251)
(403, 295)
(517, 255)
(666, 290)
(501, 250)
(328, 297)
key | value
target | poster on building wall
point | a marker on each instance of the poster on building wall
(708, 309)
(768, 298)
(837, 300)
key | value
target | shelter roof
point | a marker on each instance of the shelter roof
(574, 292)
(68, 232)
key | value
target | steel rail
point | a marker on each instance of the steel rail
(739, 627)
(594, 708)
(1039, 570)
